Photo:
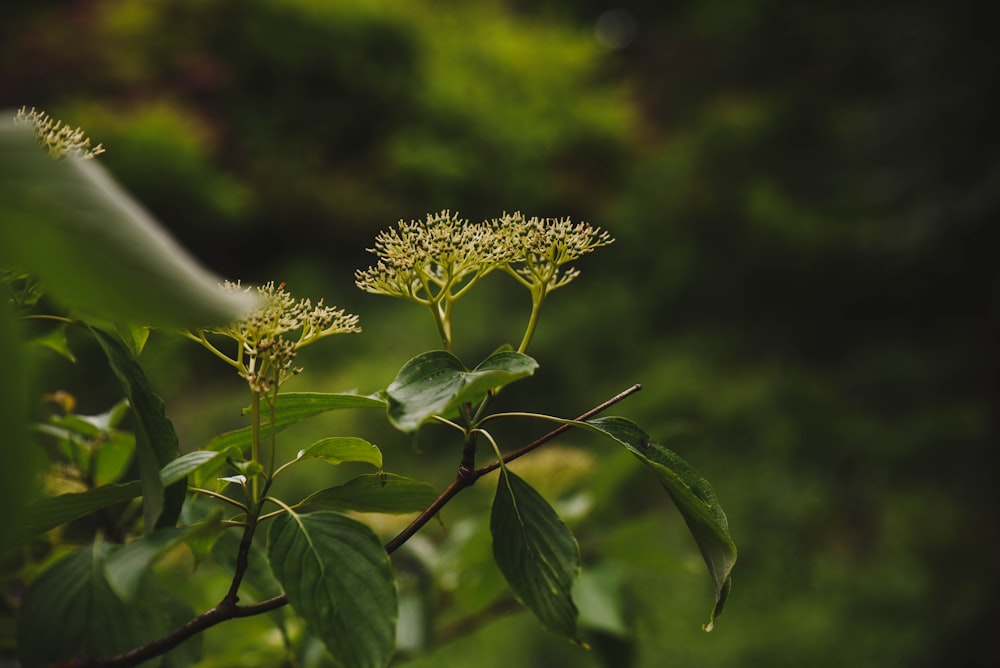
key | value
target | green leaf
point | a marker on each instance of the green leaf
(55, 340)
(126, 568)
(536, 553)
(340, 449)
(693, 496)
(112, 457)
(291, 407)
(599, 593)
(72, 611)
(337, 577)
(94, 246)
(437, 383)
(133, 336)
(187, 464)
(156, 440)
(50, 512)
(374, 493)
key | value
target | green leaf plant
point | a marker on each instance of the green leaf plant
(105, 600)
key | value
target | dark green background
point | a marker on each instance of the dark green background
(804, 198)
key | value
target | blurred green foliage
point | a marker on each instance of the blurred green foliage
(804, 199)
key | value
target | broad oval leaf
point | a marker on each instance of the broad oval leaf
(693, 496)
(437, 383)
(337, 577)
(374, 493)
(96, 248)
(72, 611)
(340, 449)
(536, 553)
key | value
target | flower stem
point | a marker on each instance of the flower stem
(536, 306)
(255, 440)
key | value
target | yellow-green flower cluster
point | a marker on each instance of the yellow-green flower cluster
(545, 245)
(269, 337)
(60, 140)
(444, 255)
(435, 261)
(437, 258)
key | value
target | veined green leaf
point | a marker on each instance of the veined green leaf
(340, 449)
(374, 493)
(437, 383)
(536, 553)
(693, 496)
(156, 440)
(337, 577)
(72, 611)
(94, 246)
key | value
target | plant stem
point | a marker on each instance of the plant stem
(228, 609)
(536, 307)
(255, 439)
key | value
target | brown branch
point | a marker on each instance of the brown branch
(228, 609)
(557, 431)
(467, 478)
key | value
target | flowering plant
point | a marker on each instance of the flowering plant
(327, 557)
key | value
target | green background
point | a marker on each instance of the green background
(804, 279)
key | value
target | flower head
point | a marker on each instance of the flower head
(61, 140)
(434, 259)
(269, 337)
(545, 245)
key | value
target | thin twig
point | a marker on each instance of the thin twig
(557, 431)
(467, 478)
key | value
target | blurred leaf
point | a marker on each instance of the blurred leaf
(126, 567)
(91, 443)
(340, 449)
(598, 595)
(48, 513)
(536, 553)
(337, 576)
(55, 340)
(112, 456)
(374, 493)
(693, 496)
(72, 611)
(133, 336)
(96, 248)
(156, 439)
(436, 383)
